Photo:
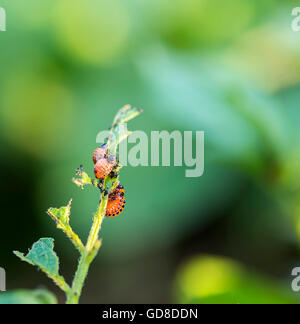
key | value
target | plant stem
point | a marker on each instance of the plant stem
(60, 282)
(98, 219)
(89, 253)
(81, 273)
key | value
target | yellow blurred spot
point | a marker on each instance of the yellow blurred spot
(37, 113)
(208, 276)
(94, 31)
(269, 55)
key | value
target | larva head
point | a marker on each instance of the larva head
(100, 153)
(111, 159)
(120, 190)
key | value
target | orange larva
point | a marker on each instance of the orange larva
(100, 153)
(116, 202)
(103, 168)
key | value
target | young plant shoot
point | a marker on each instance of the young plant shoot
(111, 204)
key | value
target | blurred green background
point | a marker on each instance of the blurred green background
(230, 68)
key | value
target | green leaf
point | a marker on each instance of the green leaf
(125, 114)
(21, 296)
(61, 216)
(118, 133)
(83, 180)
(42, 255)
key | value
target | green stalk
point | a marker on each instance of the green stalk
(86, 258)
